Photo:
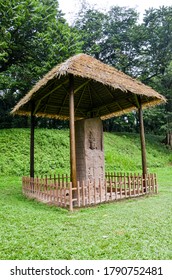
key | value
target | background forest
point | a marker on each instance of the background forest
(35, 37)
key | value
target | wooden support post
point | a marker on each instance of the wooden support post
(72, 133)
(32, 130)
(143, 145)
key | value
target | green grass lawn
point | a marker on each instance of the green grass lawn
(131, 229)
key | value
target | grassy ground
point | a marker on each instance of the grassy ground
(132, 229)
(122, 152)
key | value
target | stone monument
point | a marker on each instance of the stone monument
(89, 150)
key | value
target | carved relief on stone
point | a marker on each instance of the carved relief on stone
(92, 141)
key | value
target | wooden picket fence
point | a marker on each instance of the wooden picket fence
(58, 190)
(52, 190)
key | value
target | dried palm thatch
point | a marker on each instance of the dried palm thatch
(100, 91)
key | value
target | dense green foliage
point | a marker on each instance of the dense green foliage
(135, 229)
(122, 152)
(142, 50)
(111, 37)
(35, 36)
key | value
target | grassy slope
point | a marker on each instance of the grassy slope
(122, 152)
(132, 229)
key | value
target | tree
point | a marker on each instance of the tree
(142, 50)
(35, 37)
(22, 25)
(158, 42)
(113, 37)
(156, 67)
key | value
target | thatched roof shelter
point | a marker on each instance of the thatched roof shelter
(83, 87)
(99, 89)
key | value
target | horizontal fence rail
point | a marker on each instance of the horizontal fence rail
(58, 190)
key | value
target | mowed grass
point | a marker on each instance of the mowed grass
(131, 229)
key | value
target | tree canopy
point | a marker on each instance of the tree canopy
(35, 37)
(141, 49)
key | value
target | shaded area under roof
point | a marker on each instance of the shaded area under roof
(100, 91)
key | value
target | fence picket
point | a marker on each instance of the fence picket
(100, 190)
(120, 185)
(129, 185)
(138, 184)
(57, 190)
(125, 190)
(78, 192)
(89, 192)
(70, 197)
(95, 194)
(105, 190)
(156, 184)
(134, 184)
(83, 193)
(115, 187)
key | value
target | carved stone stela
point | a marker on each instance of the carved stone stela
(89, 149)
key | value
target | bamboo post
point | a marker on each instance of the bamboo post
(32, 130)
(142, 139)
(72, 133)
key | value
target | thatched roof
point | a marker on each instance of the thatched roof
(100, 91)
